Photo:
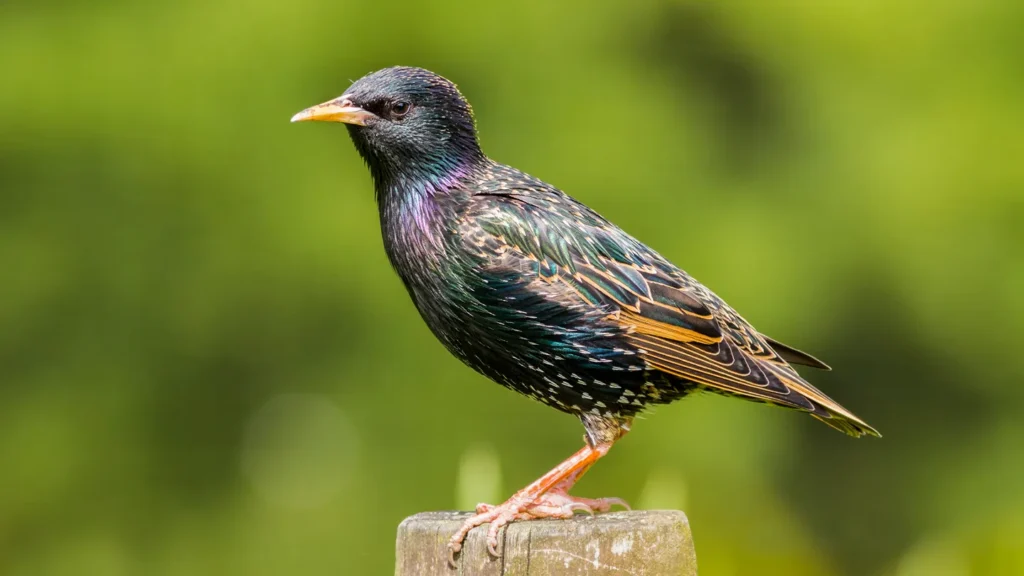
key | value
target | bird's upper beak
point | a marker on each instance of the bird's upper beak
(338, 110)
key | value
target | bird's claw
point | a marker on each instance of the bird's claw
(617, 501)
(574, 506)
(496, 516)
(569, 504)
(492, 539)
(453, 549)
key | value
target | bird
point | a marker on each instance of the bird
(539, 293)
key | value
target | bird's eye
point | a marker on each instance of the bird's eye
(400, 109)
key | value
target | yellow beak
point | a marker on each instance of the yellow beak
(337, 110)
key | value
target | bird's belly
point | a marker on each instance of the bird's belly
(556, 366)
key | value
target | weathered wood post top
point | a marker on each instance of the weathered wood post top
(640, 543)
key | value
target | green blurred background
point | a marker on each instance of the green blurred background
(207, 366)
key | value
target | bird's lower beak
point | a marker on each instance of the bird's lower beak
(338, 110)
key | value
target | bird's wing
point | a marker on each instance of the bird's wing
(678, 326)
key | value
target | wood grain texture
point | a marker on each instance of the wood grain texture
(639, 543)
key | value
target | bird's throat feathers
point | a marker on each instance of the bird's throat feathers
(417, 166)
(421, 182)
(416, 209)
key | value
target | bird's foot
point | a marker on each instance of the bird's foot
(556, 503)
(546, 497)
(561, 504)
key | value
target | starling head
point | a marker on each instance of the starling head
(407, 123)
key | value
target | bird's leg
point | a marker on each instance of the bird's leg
(558, 503)
(547, 497)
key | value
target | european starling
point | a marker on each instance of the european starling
(539, 293)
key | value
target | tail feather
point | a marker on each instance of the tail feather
(825, 409)
(853, 428)
(726, 369)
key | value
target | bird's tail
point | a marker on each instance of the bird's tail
(822, 407)
(726, 369)
(847, 423)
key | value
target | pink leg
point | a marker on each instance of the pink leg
(547, 497)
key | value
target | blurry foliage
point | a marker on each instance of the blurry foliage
(196, 313)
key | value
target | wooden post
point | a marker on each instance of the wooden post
(640, 543)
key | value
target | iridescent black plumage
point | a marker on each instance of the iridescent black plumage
(540, 293)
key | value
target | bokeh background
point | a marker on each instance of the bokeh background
(207, 366)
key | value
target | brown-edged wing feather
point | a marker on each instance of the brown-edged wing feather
(726, 354)
(794, 356)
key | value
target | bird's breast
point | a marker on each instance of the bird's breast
(419, 233)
